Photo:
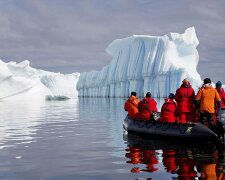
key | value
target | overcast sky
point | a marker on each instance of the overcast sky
(72, 35)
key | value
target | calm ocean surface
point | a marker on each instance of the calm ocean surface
(83, 139)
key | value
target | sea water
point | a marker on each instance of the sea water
(83, 138)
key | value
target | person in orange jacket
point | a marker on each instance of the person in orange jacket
(208, 97)
(146, 107)
(131, 105)
(169, 110)
(185, 96)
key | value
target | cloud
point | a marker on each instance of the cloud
(62, 35)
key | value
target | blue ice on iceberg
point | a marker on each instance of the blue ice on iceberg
(145, 63)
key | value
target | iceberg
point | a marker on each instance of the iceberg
(139, 63)
(145, 63)
(21, 81)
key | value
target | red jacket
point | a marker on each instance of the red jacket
(146, 107)
(184, 97)
(222, 96)
(169, 111)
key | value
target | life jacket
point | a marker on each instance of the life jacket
(222, 96)
(146, 107)
(184, 97)
(207, 96)
(169, 111)
(131, 105)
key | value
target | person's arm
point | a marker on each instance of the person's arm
(176, 97)
(218, 103)
(197, 98)
(125, 106)
(199, 95)
(217, 98)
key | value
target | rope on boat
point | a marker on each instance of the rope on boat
(185, 129)
(164, 125)
(158, 125)
(150, 124)
(143, 124)
(175, 126)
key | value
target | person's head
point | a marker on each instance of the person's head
(171, 96)
(218, 84)
(185, 81)
(148, 94)
(207, 81)
(133, 93)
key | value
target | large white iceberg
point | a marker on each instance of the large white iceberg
(20, 81)
(145, 63)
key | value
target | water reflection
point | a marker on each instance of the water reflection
(181, 161)
(20, 120)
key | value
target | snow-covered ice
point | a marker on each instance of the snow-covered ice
(21, 81)
(145, 63)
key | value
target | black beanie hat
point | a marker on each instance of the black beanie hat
(133, 93)
(148, 94)
(219, 84)
(171, 96)
(207, 80)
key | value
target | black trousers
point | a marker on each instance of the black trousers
(207, 119)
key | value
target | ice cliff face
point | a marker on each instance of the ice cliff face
(20, 81)
(145, 63)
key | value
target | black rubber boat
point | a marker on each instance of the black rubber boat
(196, 131)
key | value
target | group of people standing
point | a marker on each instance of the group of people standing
(182, 106)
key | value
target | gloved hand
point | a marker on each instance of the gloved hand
(196, 103)
(218, 104)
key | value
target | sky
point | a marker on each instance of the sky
(71, 35)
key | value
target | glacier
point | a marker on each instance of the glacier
(21, 81)
(145, 63)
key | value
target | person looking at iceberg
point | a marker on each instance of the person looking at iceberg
(208, 97)
(169, 110)
(131, 105)
(221, 93)
(185, 96)
(146, 107)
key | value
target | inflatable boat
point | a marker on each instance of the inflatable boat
(195, 131)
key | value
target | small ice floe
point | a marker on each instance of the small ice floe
(18, 157)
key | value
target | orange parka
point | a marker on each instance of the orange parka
(131, 106)
(207, 96)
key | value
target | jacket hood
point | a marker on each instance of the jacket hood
(186, 85)
(168, 100)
